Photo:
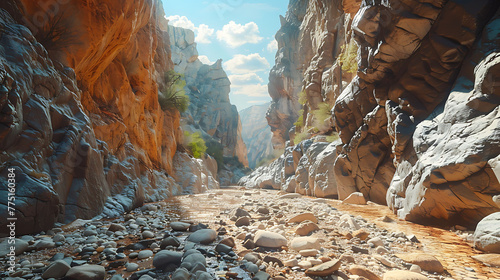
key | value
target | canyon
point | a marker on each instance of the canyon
(384, 118)
(416, 112)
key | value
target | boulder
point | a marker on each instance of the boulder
(203, 236)
(303, 217)
(488, 259)
(305, 243)
(355, 198)
(165, 258)
(487, 234)
(324, 269)
(269, 239)
(425, 261)
(56, 270)
(86, 272)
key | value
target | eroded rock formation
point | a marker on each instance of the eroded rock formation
(81, 123)
(210, 110)
(304, 168)
(418, 119)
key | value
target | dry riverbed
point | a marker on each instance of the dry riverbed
(250, 234)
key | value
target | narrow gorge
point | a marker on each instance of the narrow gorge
(372, 151)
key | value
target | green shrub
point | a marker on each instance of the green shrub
(348, 57)
(300, 120)
(332, 138)
(195, 144)
(215, 150)
(320, 115)
(172, 95)
(302, 97)
(299, 137)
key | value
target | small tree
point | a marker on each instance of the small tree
(173, 94)
(195, 144)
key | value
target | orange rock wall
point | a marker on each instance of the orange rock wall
(118, 51)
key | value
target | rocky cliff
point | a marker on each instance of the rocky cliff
(81, 124)
(256, 134)
(412, 87)
(210, 111)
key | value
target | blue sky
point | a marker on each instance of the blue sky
(241, 32)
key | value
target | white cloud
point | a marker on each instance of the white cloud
(249, 84)
(203, 32)
(181, 21)
(205, 60)
(245, 79)
(243, 64)
(272, 46)
(236, 35)
(257, 90)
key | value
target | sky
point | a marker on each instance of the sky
(241, 33)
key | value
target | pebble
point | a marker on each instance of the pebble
(56, 269)
(324, 269)
(425, 261)
(164, 258)
(305, 243)
(147, 234)
(303, 217)
(203, 236)
(363, 272)
(179, 226)
(86, 272)
(269, 239)
(305, 228)
(355, 198)
(242, 221)
(116, 227)
(130, 267)
(145, 254)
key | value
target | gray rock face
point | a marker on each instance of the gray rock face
(305, 168)
(487, 234)
(417, 114)
(285, 79)
(449, 170)
(192, 174)
(210, 111)
(256, 134)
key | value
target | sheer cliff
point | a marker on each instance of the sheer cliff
(81, 123)
(410, 88)
(210, 111)
(256, 134)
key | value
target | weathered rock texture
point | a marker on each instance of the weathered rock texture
(449, 171)
(285, 79)
(81, 123)
(303, 168)
(419, 118)
(210, 111)
(256, 134)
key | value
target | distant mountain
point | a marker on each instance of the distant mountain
(256, 133)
